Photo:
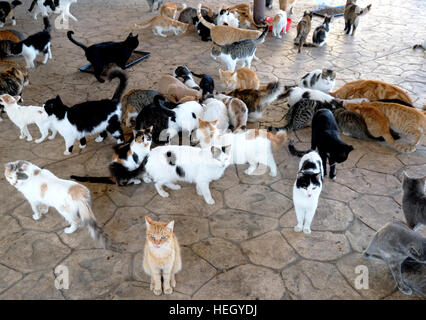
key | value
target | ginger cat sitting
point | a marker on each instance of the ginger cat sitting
(243, 78)
(161, 255)
(372, 90)
(380, 116)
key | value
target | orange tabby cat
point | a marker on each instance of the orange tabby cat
(161, 255)
(170, 9)
(372, 90)
(243, 78)
(287, 5)
(227, 34)
(380, 116)
(159, 24)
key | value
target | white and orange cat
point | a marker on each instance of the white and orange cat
(161, 24)
(287, 5)
(161, 255)
(243, 78)
(279, 23)
(171, 10)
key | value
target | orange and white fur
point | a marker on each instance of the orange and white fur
(287, 5)
(171, 10)
(43, 189)
(162, 24)
(215, 110)
(22, 116)
(253, 146)
(174, 89)
(237, 111)
(243, 78)
(161, 256)
(279, 23)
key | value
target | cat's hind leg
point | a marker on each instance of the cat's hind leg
(252, 167)
(69, 145)
(27, 133)
(270, 162)
(395, 268)
(53, 134)
(83, 143)
(44, 130)
(160, 190)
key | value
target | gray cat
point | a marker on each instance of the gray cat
(414, 275)
(187, 15)
(151, 4)
(394, 243)
(242, 50)
(414, 201)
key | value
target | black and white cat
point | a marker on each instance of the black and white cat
(89, 118)
(45, 7)
(34, 45)
(322, 80)
(6, 11)
(319, 37)
(186, 75)
(325, 137)
(295, 94)
(307, 189)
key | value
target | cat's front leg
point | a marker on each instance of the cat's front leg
(71, 228)
(323, 156)
(167, 282)
(101, 136)
(205, 191)
(27, 133)
(146, 178)
(69, 145)
(35, 206)
(300, 216)
(160, 190)
(53, 135)
(156, 281)
(332, 169)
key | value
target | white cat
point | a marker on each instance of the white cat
(322, 80)
(167, 164)
(43, 189)
(227, 18)
(279, 23)
(253, 146)
(216, 110)
(295, 94)
(63, 9)
(186, 119)
(307, 189)
(22, 116)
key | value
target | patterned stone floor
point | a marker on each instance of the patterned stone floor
(243, 247)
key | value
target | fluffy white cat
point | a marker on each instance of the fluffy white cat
(279, 23)
(22, 116)
(216, 110)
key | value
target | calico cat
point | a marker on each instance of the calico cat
(6, 11)
(243, 78)
(90, 117)
(161, 257)
(255, 100)
(156, 114)
(319, 37)
(252, 146)
(394, 243)
(303, 28)
(325, 137)
(12, 82)
(167, 164)
(279, 23)
(160, 24)
(22, 116)
(151, 4)
(43, 189)
(34, 45)
(187, 15)
(287, 5)
(128, 161)
(237, 111)
(175, 90)
(372, 90)
(414, 201)
(405, 119)
(351, 14)
(7, 38)
(215, 110)
(133, 102)
(171, 10)
(242, 50)
(318, 79)
(307, 189)
(222, 35)
(102, 54)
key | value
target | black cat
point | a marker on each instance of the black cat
(202, 30)
(102, 54)
(157, 115)
(325, 137)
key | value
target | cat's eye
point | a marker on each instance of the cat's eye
(163, 237)
(152, 236)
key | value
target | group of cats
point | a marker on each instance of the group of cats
(185, 106)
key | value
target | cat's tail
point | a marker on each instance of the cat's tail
(159, 102)
(47, 25)
(294, 151)
(32, 5)
(202, 20)
(263, 35)
(364, 11)
(270, 93)
(118, 73)
(277, 139)
(106, 180)
(144, 26)
(309, 44)
(69, 35)
(16, 3)
(401, 148)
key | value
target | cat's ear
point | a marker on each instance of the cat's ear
(318, 177)
(170, 225)
(214, 123)
(226, 149)
(148, 221)
(58, 99)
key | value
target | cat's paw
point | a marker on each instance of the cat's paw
(173, 283)
(406, 290)
(39, 140)
(51, 137)
(44, 209)
(307, 230)
(70, 229)
(273, 173)
(157, 292)
(67, 153)
(21, 137)
(147, 180)
(82, 146)
(99, 139)
(136, 181)
(297, 229)
(168, 290)
(210, 201)
(29, 139)
(164, 194)
(36, 216)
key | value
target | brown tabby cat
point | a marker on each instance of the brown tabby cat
(226, 34)
(161, 255)
(243, 78)
(380, 116)
(287, 5)
(159, 24)
(303, 28)
(372, 90)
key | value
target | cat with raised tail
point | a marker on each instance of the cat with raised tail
(43, 189)
(162, 257)
(307, 189)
